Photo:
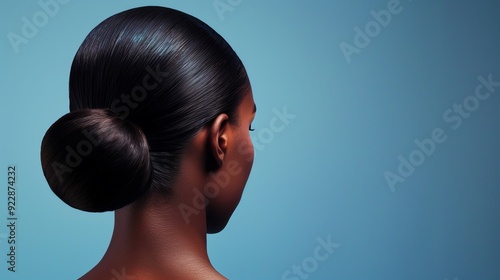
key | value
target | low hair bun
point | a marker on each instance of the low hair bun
(95, 161)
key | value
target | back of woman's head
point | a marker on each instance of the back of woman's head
(142, 84)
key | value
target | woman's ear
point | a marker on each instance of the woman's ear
(218, 138)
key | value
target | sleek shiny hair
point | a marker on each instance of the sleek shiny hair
(142, 84)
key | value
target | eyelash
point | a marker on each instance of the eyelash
(250, 128)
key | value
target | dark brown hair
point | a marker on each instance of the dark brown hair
(142, 84)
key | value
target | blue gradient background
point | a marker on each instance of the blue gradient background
(323, 174)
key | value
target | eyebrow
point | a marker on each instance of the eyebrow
(254, 108)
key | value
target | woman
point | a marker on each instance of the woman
(158, 131)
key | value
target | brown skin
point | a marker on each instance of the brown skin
(152, 239)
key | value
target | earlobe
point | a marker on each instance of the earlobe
(218, 138)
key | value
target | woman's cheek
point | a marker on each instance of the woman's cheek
(246, 150)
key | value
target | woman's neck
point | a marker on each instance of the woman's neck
(155, 238)
(156, 243)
